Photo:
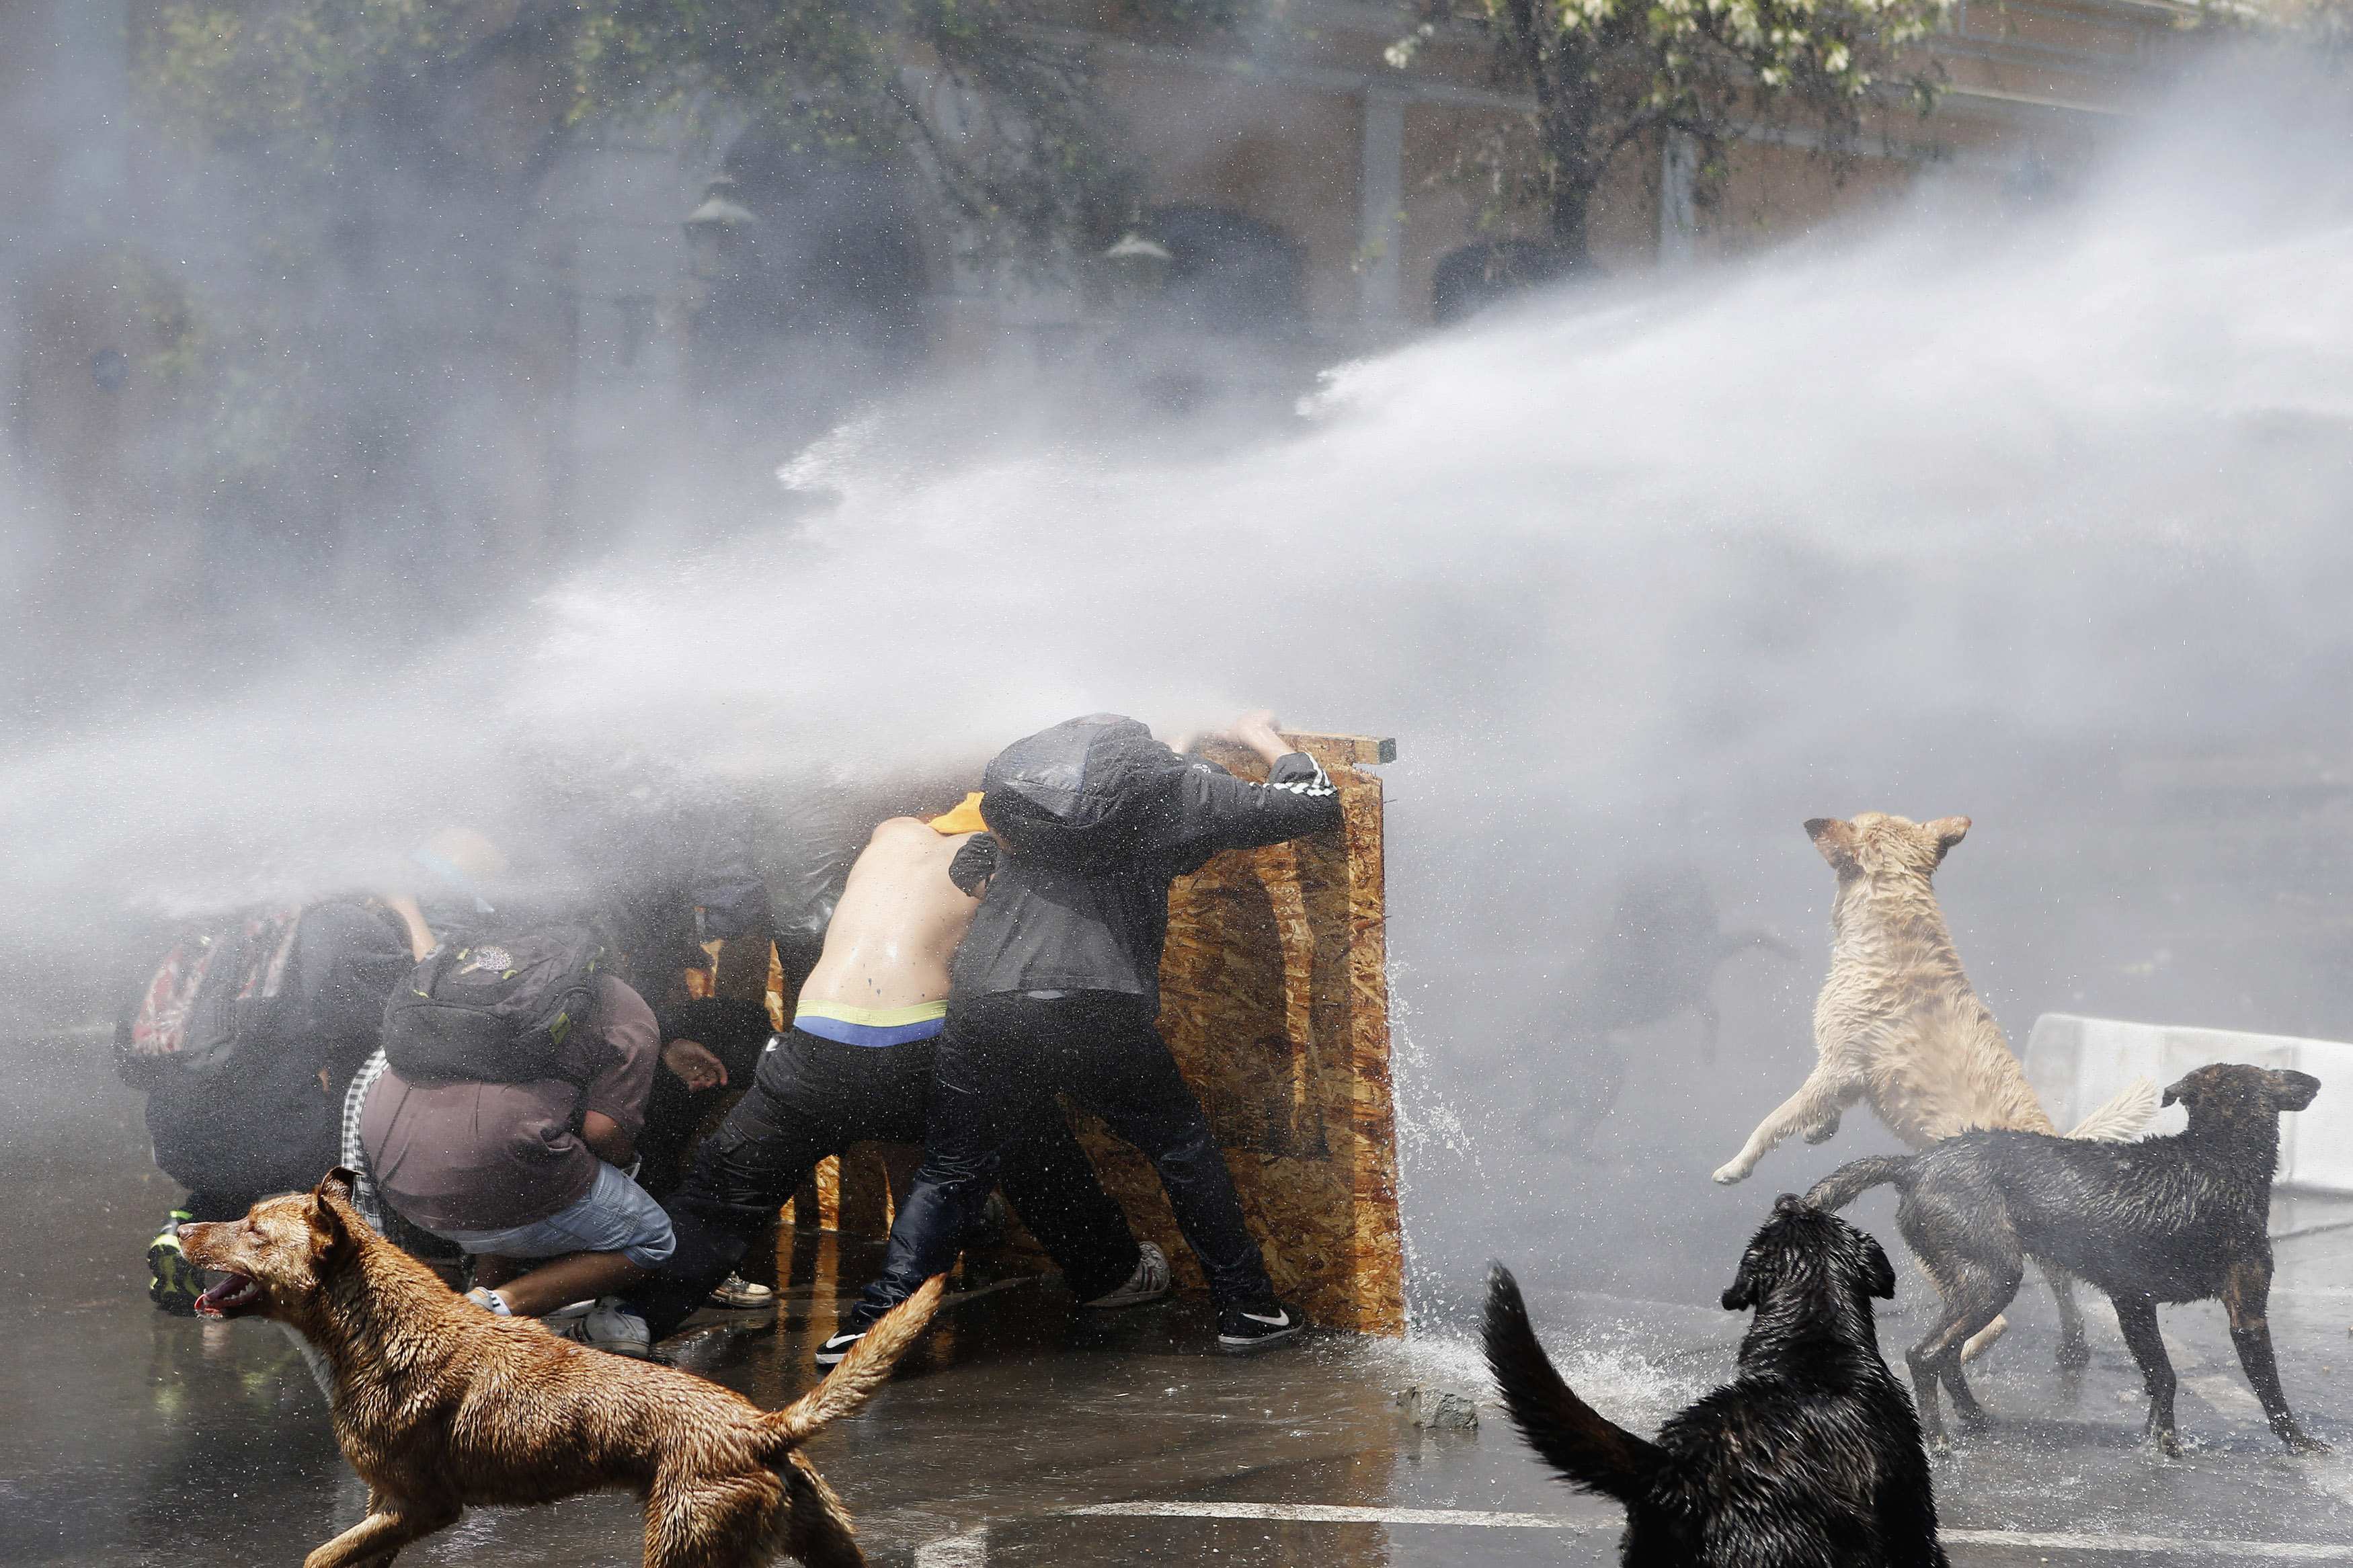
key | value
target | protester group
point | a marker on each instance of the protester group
(517, 1081)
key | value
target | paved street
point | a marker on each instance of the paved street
(1023, 1436)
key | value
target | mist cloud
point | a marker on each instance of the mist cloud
(1950, 516)
(2088, 473)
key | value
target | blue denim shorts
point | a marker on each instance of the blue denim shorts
(617, 1216)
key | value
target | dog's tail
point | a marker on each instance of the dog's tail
(864, 1370)
(1588, 1450)
(1856, 1177)
(2121, 1117)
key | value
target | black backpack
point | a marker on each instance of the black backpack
(496, 1009)
(221, 988)
(1081, 796)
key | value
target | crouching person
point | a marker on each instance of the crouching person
(243, 1041)
(522, 1159)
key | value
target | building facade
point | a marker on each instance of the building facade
(1296, 207)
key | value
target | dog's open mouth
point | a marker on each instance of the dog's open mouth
(235, 1293)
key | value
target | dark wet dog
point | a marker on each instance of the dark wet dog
(2179, 1219)
(1810, 1458)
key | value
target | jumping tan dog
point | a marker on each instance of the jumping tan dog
(1898, 1024)
(438, 1403)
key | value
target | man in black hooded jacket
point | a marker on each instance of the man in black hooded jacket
(1056, 989)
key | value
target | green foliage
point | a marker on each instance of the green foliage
(172, 341)
(992, 100)
(233, 395)
(1611, 75)
(249, 72)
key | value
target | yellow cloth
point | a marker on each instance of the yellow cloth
(874, 1017)
(963, 818)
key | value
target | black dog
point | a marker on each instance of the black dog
(1810, 1458)
(2179, 1219)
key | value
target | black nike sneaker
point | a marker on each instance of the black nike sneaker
(853, 1330)
(1249, 1325)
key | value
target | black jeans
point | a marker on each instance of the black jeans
(1001, 1062)
(812, 1097)
(674, 1112)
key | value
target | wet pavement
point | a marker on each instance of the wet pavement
(1028, 1434)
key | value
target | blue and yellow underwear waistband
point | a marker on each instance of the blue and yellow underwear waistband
(849, 1026)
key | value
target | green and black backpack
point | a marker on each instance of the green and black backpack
(496, 1009)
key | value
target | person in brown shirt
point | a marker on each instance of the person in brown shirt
(517, 1173)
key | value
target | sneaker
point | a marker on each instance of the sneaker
(1248, 1325)
(737, 1294)
(174, 1283)
(571, 1312)
(853, 1329)
(990, 1226)
(489, 1301)
(1148, 1283)
(609, 1326)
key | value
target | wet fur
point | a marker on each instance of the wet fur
(1898, 1025)
(2178, 1218)
(1810, 1458)
(440, 1406)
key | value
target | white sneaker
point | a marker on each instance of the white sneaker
(1148, 1283)
(608, 1326)
(737, 1294)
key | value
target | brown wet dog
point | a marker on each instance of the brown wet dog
(440, 1404)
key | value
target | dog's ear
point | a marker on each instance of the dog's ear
(1834, 837)
(1878, 1274)
(2292, 1090)
(332, 1213)
(330, 1223)
(1741, 1294)
(1947, 831)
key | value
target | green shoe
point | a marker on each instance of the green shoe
(175, 1284)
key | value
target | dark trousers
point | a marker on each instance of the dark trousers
(674, 1113)
(812, 1097)
(1001, 1062)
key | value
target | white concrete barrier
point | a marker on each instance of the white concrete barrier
(2075, 1064)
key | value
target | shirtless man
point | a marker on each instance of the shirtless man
(857, 1066)
(884, 968)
